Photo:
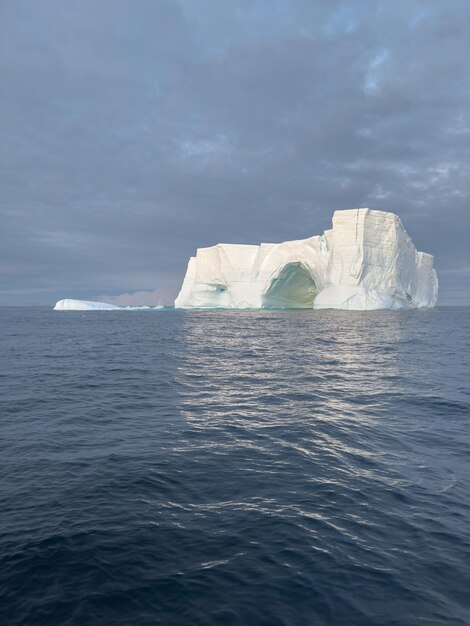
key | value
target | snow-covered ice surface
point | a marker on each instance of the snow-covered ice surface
(366, 261)
(83, 305)
(87, 305)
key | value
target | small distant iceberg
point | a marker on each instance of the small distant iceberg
(88, 305)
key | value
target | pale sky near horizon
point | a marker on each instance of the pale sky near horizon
(134, 131)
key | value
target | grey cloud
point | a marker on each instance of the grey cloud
(135, 131)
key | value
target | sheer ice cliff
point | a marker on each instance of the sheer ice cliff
(366, 261)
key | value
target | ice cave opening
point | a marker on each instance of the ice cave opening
(292, 288)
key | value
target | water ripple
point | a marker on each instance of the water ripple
(245, 468)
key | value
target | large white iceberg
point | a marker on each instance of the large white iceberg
(87, 305)
(366, 261)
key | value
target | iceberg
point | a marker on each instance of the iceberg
(87, 305)
(365, 261)
(83, 305)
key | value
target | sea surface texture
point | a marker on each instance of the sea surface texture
(235, 468)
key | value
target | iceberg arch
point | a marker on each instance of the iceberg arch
(292, 288)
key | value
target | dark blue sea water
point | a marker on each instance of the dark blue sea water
(236, 468)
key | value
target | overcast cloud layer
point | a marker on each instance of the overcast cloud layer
(134, 131)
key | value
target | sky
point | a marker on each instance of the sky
(134, 131)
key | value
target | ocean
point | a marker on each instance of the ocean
(243, 468)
